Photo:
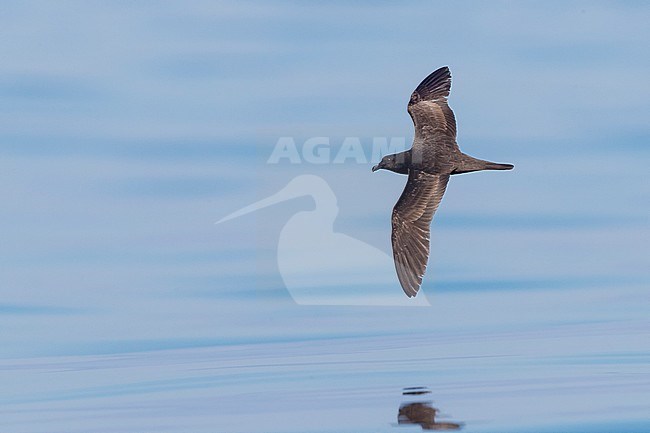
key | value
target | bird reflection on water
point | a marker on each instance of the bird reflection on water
(415, 390)
(422, 413)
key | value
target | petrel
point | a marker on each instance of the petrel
(433, 157)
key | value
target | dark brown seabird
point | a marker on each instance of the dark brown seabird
(434, 157)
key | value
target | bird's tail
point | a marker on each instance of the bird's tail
(498, 166)
(469, 164)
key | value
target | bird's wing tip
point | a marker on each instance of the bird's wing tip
(436, 85)
(410, 291)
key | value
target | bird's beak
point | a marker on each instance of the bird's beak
(375, 168)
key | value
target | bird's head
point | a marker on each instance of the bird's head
(397, 163)
(386, 162)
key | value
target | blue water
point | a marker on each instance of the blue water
(129, 129)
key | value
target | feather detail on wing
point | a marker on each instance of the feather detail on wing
(411, 222)
(428, 105)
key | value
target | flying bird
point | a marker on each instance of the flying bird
(432, 159)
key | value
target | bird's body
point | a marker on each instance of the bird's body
(432, 159)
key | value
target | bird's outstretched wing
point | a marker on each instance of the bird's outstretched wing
(428, 106)
(411, 222)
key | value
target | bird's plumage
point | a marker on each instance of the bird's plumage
(411, 223)
(428, 106)
(434, 156)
